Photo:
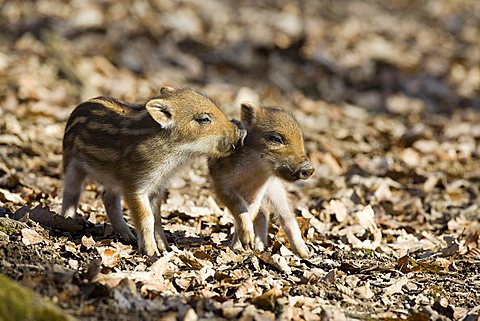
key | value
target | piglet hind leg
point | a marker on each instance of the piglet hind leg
(277, 196)
(72, 189)
(113, 206)
(144, 221)
(156, 203)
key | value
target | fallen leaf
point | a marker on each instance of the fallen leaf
(330, 276)
(246, 288)
(435, 265)
(44, 215)
(396, 286)
(275, 260)
(345, 290)
(403, 264)
(7, 196)
(109, 256)
(266, 301)
(30, 237)
(364, 291)
(337, 208)
(191, 261)
(88, 242)
(366, 218)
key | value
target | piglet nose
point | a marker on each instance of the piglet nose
(305, 170)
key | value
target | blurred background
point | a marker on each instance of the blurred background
(388, 96)
(399, 56)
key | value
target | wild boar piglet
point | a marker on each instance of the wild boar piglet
(273, 153)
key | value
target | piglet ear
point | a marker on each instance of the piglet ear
(166, 90)
(161, 111)
(248, 111)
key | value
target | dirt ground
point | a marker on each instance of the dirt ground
(388, 95)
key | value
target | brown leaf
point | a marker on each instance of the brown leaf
(403, 263)
(30, 237)
(190, 260)
(71, 247)
(366, 219)
(345, 290)
(396, 286)
(109, 256)
(267, 300)
(44, 215)
(275, 260)
(473, 253)
(330, 276)
(88, 242)
(434, 266)
(338, 208)
(246, 288)
(7, 196)
(364, 291)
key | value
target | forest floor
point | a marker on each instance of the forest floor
(388, 95)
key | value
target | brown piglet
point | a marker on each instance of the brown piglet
(273, 152)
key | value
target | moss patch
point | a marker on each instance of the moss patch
(18, 303)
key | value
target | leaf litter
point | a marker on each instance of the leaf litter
(389, 108)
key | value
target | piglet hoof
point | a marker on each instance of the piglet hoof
(162, 244)
(244, 233)
(301, 250)
(235, 243)
(243, 243)
(150, 249)
(69, 214)
(247, 239)
(126, 236)
(259, 244)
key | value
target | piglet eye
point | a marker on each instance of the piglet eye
(275, 138)
(203, 119)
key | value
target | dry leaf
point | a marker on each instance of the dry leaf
(345, 290)
(44, 215)
(7, 196)
(330, 276)
(364, 291)
(267, 300)
(275, 260)
(88, 242)
(191, 261)
(71, 247)
(109, 256)
(396, 286)
(389, 111)
(246, 288)
(30, 237)
(338, 208)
